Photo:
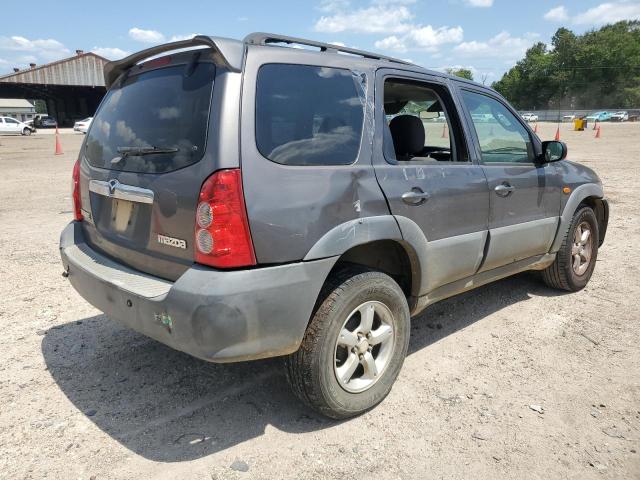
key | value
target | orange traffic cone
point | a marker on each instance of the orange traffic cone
(535, 128)
(557, 139)
(58, 146)
(598, 132)
(445, 134)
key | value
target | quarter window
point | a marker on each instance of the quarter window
(502, 137)
(307, 115)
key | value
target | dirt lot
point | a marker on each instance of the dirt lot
(83, 397)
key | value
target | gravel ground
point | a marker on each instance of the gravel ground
(512, 380)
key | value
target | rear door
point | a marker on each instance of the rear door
(306, 148)
(145, 158)
(525, 195)
(3, 126)
(439, 188)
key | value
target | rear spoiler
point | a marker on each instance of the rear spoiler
(227, 52)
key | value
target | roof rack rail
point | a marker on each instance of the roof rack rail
(261, 38)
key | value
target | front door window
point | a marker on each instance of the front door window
(502, 138)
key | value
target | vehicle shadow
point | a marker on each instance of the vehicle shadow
(170, 407)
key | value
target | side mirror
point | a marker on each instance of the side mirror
(553, 151)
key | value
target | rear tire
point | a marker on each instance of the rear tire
(576, 258)
(336, 371)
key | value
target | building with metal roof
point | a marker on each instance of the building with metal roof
(72, 87)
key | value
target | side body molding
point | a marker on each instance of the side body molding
(577, 196)
(439, 262)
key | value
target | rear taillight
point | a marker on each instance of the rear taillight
(75, 192)
(222, 237)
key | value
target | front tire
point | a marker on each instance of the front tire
(354, 346)
(26, 132)
(576, 258)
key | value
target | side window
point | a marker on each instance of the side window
(11, 120)
(307, 115)
(420, 117)
(502, 137)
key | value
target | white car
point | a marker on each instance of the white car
(568, 118)
(530, 117)
(82, 125)
(10, 125)
(620, 117)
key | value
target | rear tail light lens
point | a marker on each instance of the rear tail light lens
(204, 215)
(204, 241)
(222, 236)
(75, 192)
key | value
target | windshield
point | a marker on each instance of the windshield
(163, 112)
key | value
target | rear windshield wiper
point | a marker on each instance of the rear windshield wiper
(139, 151)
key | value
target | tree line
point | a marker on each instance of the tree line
(598, 69)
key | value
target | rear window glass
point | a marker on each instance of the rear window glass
(308, 115)
(165, 109)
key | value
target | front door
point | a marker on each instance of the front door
(11, 125)
(524, 194)
(423, 165)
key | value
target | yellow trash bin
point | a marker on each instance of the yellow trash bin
(578, 124)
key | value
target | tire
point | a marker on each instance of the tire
(26, 132)
(562, 274)
(313, 370)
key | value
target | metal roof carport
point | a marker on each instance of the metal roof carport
(72, 87)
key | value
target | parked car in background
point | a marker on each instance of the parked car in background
(620, 116)
(599, 117)
(481, 117)
(47, 122)
(568, 118)
(82, 125)
(9, 126)
(530, 117)
(312, 228)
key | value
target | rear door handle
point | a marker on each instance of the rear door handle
(504, 189)
(415, 197)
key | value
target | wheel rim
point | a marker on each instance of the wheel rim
(364, 346)
(582, 248)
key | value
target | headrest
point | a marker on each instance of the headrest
(408, 134)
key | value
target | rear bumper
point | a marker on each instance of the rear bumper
(218, 316)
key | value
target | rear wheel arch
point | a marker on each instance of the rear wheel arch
(365, 241)
(387, 256)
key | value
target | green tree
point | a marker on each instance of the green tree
(41, 106)
(460, 72)
(598, 69)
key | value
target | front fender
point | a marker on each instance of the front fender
(575, 199)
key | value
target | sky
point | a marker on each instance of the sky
(486, 36)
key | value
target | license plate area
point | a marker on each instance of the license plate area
(122, 212)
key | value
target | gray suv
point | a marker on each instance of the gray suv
(238, 200)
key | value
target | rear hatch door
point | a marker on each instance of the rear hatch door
(145, 161)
